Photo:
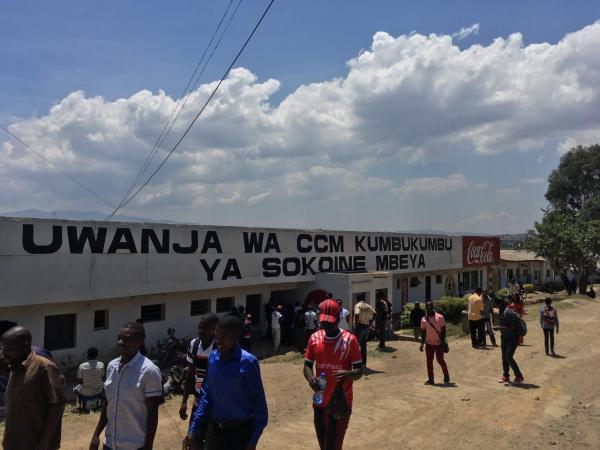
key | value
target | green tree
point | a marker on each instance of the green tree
(569, 233)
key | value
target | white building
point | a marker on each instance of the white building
(75, 283)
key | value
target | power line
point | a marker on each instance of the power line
(199, 112)
(168, 125)
(70, 177)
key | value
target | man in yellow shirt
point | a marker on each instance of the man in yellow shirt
(476, 323)
(363, 314)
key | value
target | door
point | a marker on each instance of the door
(253, 307)
(428, 288)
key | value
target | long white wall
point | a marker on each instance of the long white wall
(123, 310)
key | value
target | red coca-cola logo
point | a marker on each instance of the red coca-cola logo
(481, 251)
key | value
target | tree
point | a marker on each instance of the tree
(569, 234)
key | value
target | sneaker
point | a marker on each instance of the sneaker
(429, 383)
(552, 354)
(447, 379)
(504, 379)
(518, 379)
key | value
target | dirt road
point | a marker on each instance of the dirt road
(559, 407)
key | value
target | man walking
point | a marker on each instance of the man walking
(198, 353)
(310, 319)
(276, 319)
(381, 316)
(336, 354)
(344, 315)
(133, 391)
(232, 403)
(363, 313)
(509, 340)
(416, 314)
(433, 336)
(486, 316)
(548, 322)
(34, 399)
(476, 325)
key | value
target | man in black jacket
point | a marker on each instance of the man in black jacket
(416, 315)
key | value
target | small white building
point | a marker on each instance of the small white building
(74, 283)
(525, 267)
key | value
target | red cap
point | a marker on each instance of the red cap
(279, 308)
(329, 311)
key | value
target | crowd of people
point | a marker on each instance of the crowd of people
(229, 407)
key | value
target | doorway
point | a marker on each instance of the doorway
(253, 303)
(428, 288)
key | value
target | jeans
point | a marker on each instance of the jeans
(489, 330)
(508, 347)
(549, 336)
(477, 328)
(438, 351)
(330, 432)
(361, 332)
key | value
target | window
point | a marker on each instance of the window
(225, 304)
(101, 319)
(438, 279)
(199, 307)
(547, 273)
(536, 275)
(153, 313)
(59, 331)
(474, 279)
(414, 282)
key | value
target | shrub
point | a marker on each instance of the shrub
(528, 288)
(451, 308)
(405, 316)
(502, 293)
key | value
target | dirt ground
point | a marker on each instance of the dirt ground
(558, 407)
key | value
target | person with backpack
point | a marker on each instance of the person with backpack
(433, 336)
(197, 357)
(548, 322)
(511, 328)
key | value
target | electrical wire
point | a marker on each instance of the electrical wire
(163, 162)
(66, 174)
(168, 125)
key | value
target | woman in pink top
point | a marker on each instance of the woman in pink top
(433, 336)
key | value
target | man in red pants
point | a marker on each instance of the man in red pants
(336, 354)
(433, 335)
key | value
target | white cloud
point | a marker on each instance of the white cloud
(433, 186)
(407, 99)
(508, 191)
(466, 32)
(533, 180)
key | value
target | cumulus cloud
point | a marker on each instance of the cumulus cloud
(433, 186)
(407, 99)
(466, 32)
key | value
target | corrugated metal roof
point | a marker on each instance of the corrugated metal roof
(519, 255)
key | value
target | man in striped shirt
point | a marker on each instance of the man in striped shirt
(91, 377)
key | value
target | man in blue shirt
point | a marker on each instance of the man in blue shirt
(232, 399)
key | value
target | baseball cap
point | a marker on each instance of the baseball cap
(329, 311)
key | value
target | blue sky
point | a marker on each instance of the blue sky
(114, 50)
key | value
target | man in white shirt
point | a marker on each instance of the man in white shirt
(344, 314)
(276, 318)
(91, 378)
(133, 391)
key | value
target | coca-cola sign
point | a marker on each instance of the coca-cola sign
(481, 251)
